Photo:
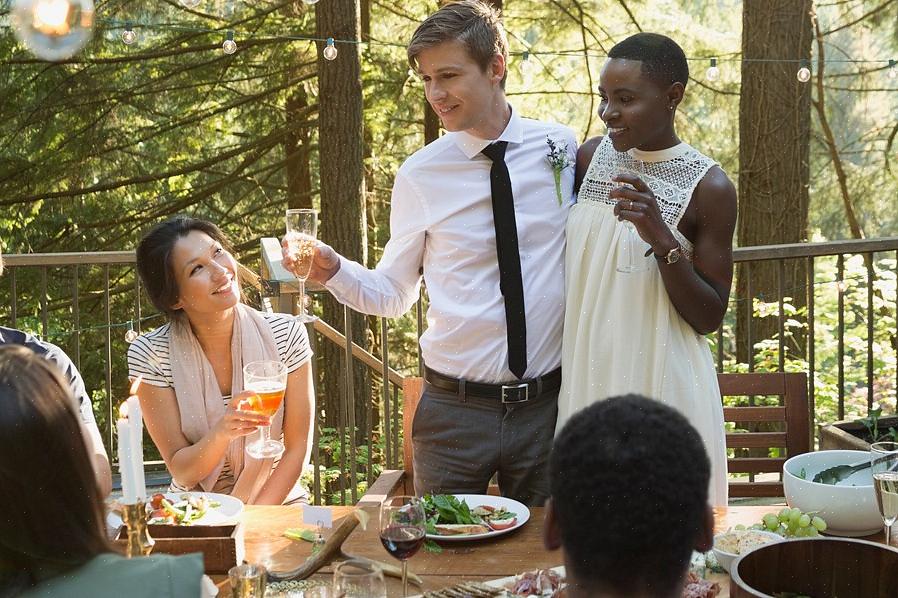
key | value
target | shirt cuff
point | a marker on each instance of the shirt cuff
(341, 282)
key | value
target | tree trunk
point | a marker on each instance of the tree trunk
(343, 224)
(297, 150)
(774, 146)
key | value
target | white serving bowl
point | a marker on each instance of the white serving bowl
(849, 508)
(726, 558)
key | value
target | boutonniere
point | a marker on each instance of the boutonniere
(559, 160)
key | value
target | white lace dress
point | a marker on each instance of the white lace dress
(622, 334)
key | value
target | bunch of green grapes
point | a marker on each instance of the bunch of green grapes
(792, 523)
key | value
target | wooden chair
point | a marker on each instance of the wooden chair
(791, 413)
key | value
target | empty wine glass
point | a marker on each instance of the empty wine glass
(884, 460)
(268, 379)
(630, 245)
(359, 579)
(402, 530)
(302, 231)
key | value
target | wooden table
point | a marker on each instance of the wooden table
(506, 555)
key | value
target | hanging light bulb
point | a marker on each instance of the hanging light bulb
(893, 69)
(713, 73)
(131, 335)
(53, 29)
(804, 73)
(310, 2)
(330, 50)
(129, 36)
(190, 3)
(229, 46)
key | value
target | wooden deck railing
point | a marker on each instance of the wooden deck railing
(91, 300)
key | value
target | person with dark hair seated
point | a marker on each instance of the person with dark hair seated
(97, 452)
(52, 532)
(649, 257)
(192, 369)
(629, 499)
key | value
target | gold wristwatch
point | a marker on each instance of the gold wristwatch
(672, 256)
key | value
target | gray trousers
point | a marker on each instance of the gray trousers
(461, 441)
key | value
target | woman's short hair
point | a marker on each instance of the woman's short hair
(663, 60)
(475, 24)
(53, 516)
(154, 255)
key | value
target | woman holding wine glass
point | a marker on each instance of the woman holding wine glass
(649, 257)
(196, 396)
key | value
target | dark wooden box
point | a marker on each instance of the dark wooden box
(221, 545)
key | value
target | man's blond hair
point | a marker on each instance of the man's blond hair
(475, 24)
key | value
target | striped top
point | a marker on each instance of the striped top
(148, 356)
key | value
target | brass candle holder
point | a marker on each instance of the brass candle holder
(140, 543)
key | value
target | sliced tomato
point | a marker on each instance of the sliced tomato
(156, 501)
(500, 524)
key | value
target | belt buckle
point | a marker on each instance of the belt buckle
(515, 393)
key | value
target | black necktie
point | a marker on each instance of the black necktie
(510, 283)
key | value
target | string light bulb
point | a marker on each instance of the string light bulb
(229, 46)
(129, 36)
(713, 73)
(804, 73)
(190, 3)
(131, 335)
(53, 29)
(893, 69)
(330, 50)
(310, 2)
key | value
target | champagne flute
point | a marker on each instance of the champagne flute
(884, 460)
(268, 379)
(356, 578)
(402, 530)
(629, 242)
(302, 230)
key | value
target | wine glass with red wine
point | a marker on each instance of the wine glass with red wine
(402, 530)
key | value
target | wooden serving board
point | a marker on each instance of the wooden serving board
(222, 545)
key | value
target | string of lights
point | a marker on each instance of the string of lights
(58, 29)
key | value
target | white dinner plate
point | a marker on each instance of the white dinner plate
(228, 511)
(475, 500)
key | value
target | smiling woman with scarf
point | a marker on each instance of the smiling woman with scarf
(192, 369)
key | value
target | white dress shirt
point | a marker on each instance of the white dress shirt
(442, 221)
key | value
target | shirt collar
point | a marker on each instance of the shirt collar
(471, 145)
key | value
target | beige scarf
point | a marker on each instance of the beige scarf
(201, 403)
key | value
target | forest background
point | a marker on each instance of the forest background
(96, 149)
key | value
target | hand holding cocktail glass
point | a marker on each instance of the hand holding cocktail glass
(299, 249)
(638, 209)
(268, 382)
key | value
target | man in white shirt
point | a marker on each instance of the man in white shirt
(492, 257)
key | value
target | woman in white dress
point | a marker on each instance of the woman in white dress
(649, 252)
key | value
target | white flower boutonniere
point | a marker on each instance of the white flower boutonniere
(559, 160)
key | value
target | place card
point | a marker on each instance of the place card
(315, 515)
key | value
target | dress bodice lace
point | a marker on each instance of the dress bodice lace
(672, 174)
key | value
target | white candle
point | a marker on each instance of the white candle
(130, 448)
(125, 450)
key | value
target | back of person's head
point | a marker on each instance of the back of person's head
(663, 60)
(52, 514)
(475, 24)
(154, 259)
(629, 487)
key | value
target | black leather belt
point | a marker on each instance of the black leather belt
(515, 392)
